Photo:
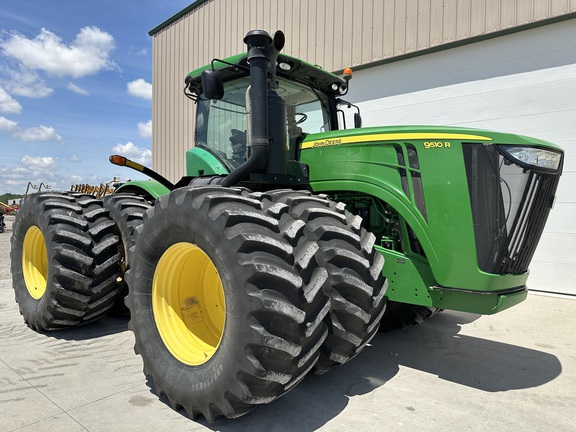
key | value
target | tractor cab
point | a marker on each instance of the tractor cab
(310, 95)
(221, 125)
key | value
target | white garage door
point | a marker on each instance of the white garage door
(523, 83)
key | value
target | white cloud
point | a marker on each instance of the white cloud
(76, 89)
(140, 88)
(8, 126)
(33, 134)
(38, 163)
(145, 129)
(88, 54)
(27, 83)
(8, 104)
(137, 154)
(36, 170)
(47, 170)
(40, 133)
(73, 158)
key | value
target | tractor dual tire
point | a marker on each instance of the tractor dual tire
(127, 211)
(220, 314)
(354, 284)
(64, 260)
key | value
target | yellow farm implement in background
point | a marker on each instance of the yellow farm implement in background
(98, 191)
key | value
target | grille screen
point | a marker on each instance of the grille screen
(510, 205)
(410, 175)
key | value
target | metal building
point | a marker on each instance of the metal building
(506, 65)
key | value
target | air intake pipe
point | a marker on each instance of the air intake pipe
(266, 152)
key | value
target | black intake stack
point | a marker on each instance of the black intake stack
(267, 150)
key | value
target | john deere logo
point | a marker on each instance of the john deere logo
(327, 142)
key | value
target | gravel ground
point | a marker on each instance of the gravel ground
(5, 248)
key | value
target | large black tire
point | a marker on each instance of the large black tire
(212, 264)
(2, 225)
(64, 260)
(127, 211)
(402, 315)
(354, 280)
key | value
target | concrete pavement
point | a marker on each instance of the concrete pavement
(515, 371)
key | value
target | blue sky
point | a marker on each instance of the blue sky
(75, 87)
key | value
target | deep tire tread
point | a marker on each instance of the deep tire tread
(281, 328)
(354, 281)
(78, 259)
(126, 212)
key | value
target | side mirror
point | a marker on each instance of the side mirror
(212, 84)
(357, 120)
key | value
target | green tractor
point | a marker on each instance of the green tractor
(290, 241)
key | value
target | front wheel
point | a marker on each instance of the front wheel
(216, 302)
(354, 281)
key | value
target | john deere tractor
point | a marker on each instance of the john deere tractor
(279, 252)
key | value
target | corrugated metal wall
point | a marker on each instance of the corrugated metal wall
(331, 33)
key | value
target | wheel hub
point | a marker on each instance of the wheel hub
(35, 262)
(188, 303)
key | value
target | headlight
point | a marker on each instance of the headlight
(285, 66)
(534, 156)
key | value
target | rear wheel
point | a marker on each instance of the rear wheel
(218, 309)
(64, 260)
(354, 281)
(127, 211)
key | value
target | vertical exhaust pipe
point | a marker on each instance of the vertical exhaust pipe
(267, 109)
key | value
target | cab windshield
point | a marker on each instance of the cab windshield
(221, 124)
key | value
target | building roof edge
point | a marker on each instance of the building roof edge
(176, 17)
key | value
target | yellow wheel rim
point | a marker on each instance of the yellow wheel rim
(188, 303)
(35, 262)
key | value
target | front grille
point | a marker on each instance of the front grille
(510, 205)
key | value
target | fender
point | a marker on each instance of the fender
(149, 189)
